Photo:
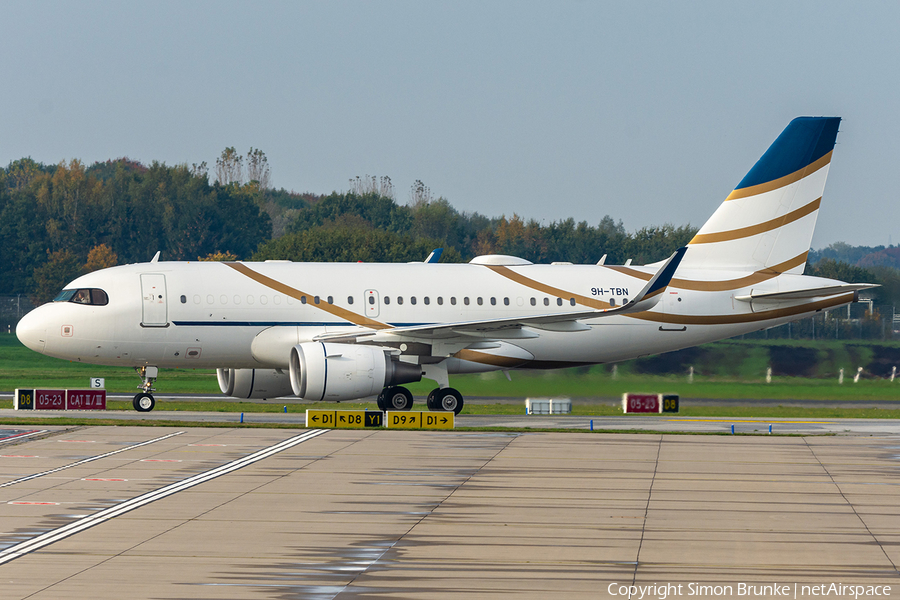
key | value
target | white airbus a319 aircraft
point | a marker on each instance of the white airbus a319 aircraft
(340, 331)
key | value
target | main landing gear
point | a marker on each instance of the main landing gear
(440, 399)
(144, 401)
(445, 399)
(395, 398)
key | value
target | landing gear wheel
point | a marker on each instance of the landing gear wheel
(445, 399)
(395, 398)
(430, 401)
(143, 402)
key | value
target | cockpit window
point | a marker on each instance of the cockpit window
(84, 296)
(64, 296)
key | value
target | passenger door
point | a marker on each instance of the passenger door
(153, 305)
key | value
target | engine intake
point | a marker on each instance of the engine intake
(324, 371)
(254, 383)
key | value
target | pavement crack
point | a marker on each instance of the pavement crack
(850, 504)
(637, 560)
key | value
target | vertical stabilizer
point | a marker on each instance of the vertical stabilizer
(767, 222)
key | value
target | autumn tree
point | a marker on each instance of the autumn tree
(370, 184)
(22, 240)
(351, 244)
(258, 168)
(20, 173)
(379, 211)
(200, 170)
(835, 269)
(230, 167)
(658, 242)
(218, 257)
(437, 220)
(100, 257)
(61, 267)
(419, 193)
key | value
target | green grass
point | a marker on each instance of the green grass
(593, 389)
(113, 422)
(23, 368)
(601, 385)
(582, 408)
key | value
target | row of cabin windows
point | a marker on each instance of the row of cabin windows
(386, 299)
(223, 299)
(479, 300)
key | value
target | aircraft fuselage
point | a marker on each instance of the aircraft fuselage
(208, 315)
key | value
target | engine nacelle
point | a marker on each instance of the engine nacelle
(323, 371)
(254, 383)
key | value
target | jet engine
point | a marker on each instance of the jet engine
(324, 371)
(254, 383)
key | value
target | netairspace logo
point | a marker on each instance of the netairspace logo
(774, 590)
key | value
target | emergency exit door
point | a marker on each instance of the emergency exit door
(153, 304)
(373, 303)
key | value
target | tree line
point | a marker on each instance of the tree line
(320, 231)
(53, 216)
(58, 221)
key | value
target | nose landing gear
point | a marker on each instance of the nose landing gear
(144, 401)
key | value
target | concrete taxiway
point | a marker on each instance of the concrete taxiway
(654, 423)
(107, 512)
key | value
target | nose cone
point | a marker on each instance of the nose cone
(32, 331)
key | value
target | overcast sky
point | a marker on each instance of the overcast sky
(650, 112)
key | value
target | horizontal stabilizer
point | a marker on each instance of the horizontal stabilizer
(818, 292)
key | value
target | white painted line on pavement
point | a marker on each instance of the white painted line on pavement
(86, 460)
(45, 539)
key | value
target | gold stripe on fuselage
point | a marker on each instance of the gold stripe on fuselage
(730, 284)
(510, 363)
(726, 284)
(741, 318)
(549, 289)
(287, 290)
(673, 319)
(490, 359)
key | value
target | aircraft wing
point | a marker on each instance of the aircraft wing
(512, 327)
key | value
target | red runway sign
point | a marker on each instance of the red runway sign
(650, 403)
(49, 399)
(640, 403)
(86, 399)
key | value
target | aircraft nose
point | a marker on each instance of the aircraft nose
(32, 332)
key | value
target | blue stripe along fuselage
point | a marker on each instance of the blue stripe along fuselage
(281, 324)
